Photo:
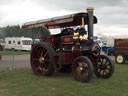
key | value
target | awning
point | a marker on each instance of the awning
(60, 21)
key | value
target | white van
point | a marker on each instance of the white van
(18, 43)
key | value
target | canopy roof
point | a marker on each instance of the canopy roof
(60, 22)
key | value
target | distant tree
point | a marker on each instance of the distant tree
(16, 31)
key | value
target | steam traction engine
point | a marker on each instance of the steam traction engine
(73, 48)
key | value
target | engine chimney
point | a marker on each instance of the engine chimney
(90, 23)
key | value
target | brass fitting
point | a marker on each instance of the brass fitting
(76, 36)
(82, 25)
(85, 37)
(90, 9)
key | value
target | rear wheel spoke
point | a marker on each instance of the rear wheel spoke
(35, 59)
(45, 54)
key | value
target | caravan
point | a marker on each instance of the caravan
(18, 43)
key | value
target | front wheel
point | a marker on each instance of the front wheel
(104, 67)
(82, 69)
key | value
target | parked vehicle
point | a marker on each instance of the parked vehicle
(121, 50)
(73, 48)
(108, 50)
(18, 43)
(35, 41)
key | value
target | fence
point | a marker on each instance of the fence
(14, 61)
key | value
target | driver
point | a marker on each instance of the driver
(82, 33)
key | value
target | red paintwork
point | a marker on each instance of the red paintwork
(76, 53)
(67, 39)
(51, 39)
(67, 58)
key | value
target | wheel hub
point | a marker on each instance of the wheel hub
(41, 59)
(120, 59)
(81, 68)
(103, 67)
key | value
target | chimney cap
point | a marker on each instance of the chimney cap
(90, 9)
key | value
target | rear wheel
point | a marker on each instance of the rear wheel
(120, 59)
(42, 59)
(82, 69)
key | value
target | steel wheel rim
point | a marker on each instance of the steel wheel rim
(40, 60)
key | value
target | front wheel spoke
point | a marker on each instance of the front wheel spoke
(107, 70)
(108, 67)
(106, 61)
(80, 64)
(79, 73)
(84, 75)
(98, 70)
(101, 72)
(104, 73)
(85, 64)
(78, 69)
(101, 60)
(99, 63)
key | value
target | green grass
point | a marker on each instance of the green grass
(10, 52)
(24, 83)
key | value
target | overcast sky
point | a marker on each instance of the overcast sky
(112, 14)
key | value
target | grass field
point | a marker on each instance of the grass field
(11, 52)
(24, 83)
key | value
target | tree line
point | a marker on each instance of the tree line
(17, 31)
